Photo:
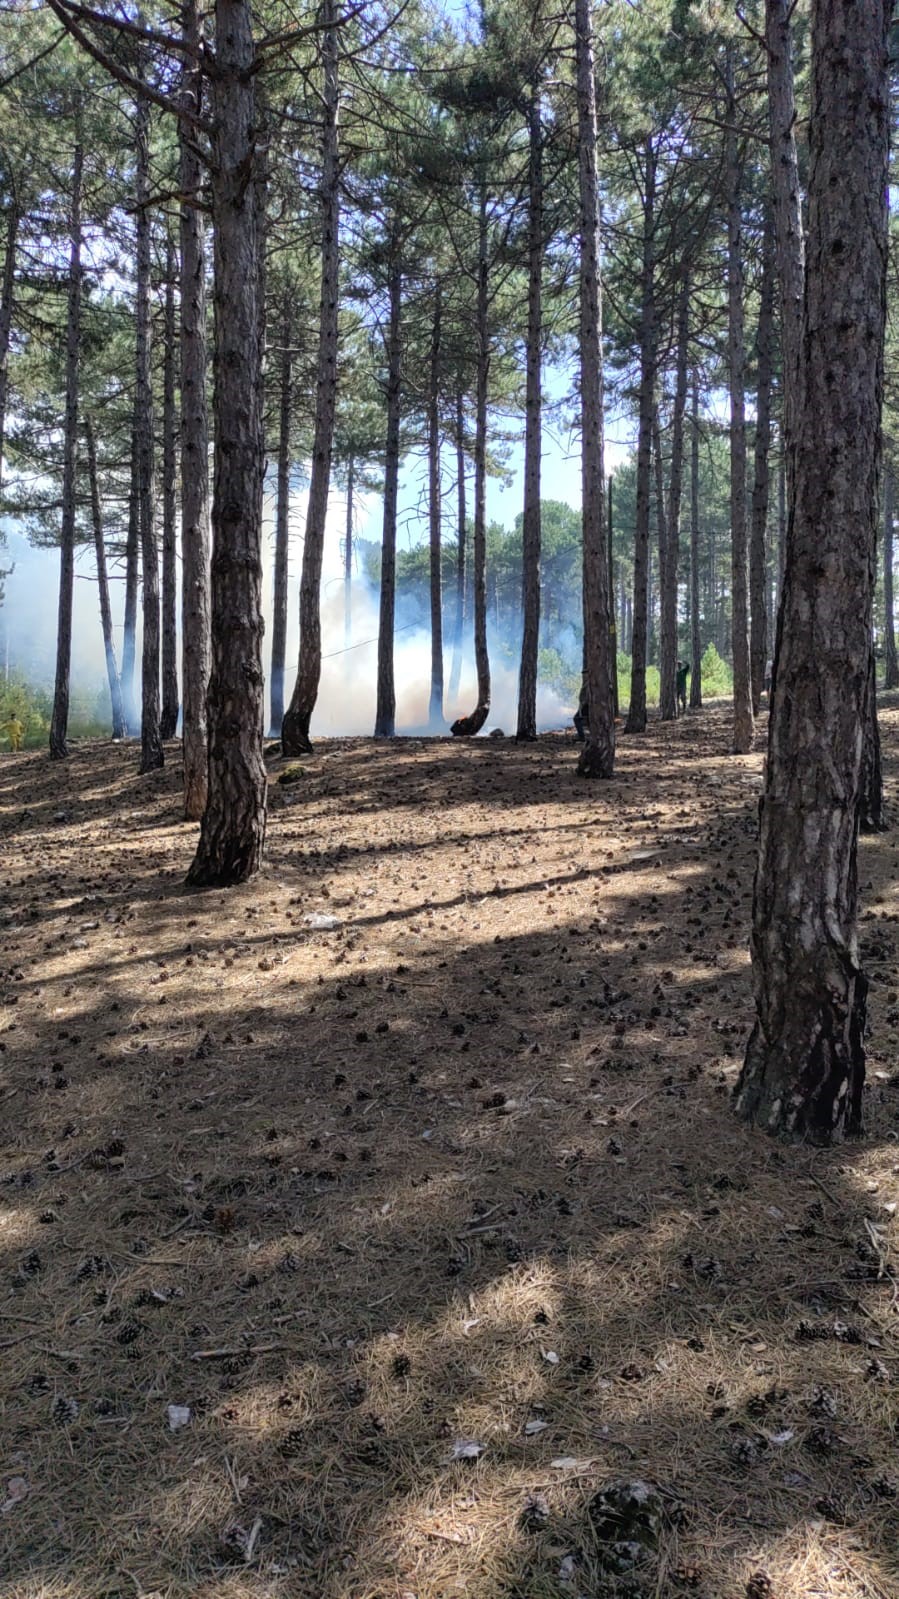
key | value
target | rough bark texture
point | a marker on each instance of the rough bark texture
(435, 702)
(168, 721)
(467, 726)
(112, 671)
(233, 829)
(871, 813)
(59, 722)
(385, 710)
(668, 647)
(597, 757)
(781, 524)
(282, 521)
(758, 578)
(152, 754)
(531, 532)
(461, 530)
(787, 196)
(295, 727)
(636, 714)
(695, 621)
(804, 1067)
(6, 302)
(736, 363)
(891, 664)
(195, 597)
(132, 579)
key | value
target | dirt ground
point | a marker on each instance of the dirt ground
(432, 1218)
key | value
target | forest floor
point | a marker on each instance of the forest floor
(434, 1218)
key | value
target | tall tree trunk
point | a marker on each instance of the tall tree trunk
(348, 556)
(456, 667)
(787, 195)
(195, 576)
(695, 618)
(112, 671)
(597, 757)
(295, 727)
(636, 714)
(435, 704)
(613, 626)
(661, 517)
(891, 678)
(668, 650)
(467, 726)
(6, 306)
(385, 713)
(169, 718)
(871, 813)
(805, 1062)
(736, 361)
(152, 754)
(233, 829)
(59, 722)
(132, 582)
(531, 531)
(758, 559)
(781, 523)
(282, 520)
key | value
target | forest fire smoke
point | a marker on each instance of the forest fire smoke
(346, 702)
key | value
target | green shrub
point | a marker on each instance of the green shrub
(717, 677)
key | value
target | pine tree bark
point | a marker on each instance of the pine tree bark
(758, 554)
(435, 703)
(282, 520)
(531, 530)
(597, 757)
(891, 664)
(636, 714)
(805, 1063)
(295, 726)
(112, 671)
(461, 532)
(195, 575)
(385, 711)
(787, 195)
(232, 834)
(168, 722)
(152, 754)
(59, 722)
(668, 645)
(467, 726)
(695, 617)
(132, 583)
(736, 362)
(6, 310)
(871, 812)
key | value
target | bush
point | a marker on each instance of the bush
(32, 707)
(717, 677)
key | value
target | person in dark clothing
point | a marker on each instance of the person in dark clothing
(683, 672)
(581, 716)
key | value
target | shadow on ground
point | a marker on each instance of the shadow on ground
(457, 1170)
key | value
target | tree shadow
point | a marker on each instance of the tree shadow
(347, 1206)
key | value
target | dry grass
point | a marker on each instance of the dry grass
(462, 1165)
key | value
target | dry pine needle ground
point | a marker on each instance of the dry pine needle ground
(455, 1176)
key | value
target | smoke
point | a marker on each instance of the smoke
(346, 703)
